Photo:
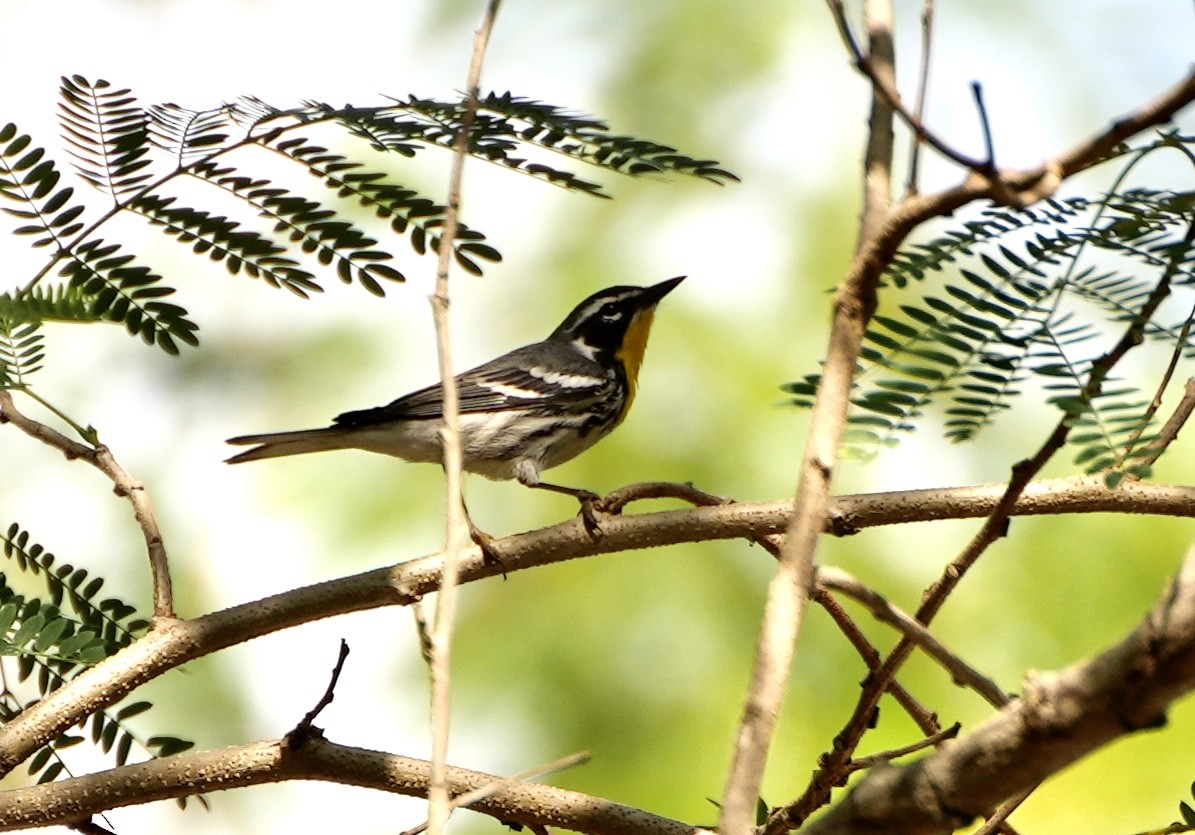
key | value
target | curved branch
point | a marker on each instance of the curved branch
(174, 642)
(912, 631)
(530, 804)
(124, 486)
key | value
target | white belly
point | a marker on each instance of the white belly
(489, 446)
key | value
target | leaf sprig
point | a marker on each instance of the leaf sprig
(132, 154)
(1021, 301)
(51, 647)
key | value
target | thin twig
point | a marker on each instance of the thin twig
(502, 783)
(1062, 717)
(997, 821)
(423, 630)
(962, 673)
(303, 730)
(1173, 425)
(1156, 449)
(931, 741)
(985, 124)
(927, 37)
(926, 719)
(439, 807)
(124, 486)
(886, 89)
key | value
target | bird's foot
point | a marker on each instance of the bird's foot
(489, 555)
(591, 508)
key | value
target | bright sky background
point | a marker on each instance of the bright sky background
(201, 53)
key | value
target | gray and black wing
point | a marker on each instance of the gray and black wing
(545, 376)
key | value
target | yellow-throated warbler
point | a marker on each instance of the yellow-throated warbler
(526, 411)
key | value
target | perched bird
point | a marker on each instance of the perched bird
(524, 412)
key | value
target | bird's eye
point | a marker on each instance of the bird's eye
(610, 312)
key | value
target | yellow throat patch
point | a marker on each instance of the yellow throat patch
(633, 347)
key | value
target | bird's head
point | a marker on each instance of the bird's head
(614, 323)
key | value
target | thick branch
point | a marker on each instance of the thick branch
(172, 643)
(1061, 718)
(258, 763)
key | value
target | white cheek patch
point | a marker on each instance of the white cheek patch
(568, 381)
(581, 347)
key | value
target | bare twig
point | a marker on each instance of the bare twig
(439, 807)
(303, 730)
(124, 486)
(480, 793)
(1062, 717)
(926, 720)
(885, 88)
(932, 741)
(1170, 429)
(927, 39)
(1158, 447)
(616, 500)
(997, 821)
(989, 147)
(962, 673)
(423, 630)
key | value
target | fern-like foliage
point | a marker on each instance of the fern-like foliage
(125, 292)
(58, 303)
(506, 126)
(21, 351)
(133, 154)
(224, 240)
(108, 134)
(1028, 301)
(315, 228)
(190, 135)
(408, 212)
(21, 341)
(54, 638)
(30, 180)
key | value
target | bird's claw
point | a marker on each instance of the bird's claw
(591, 507)
(485, 542)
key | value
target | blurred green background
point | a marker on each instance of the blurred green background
(640, 658)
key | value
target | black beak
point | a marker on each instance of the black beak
(653, 294)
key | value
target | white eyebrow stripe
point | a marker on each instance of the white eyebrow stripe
(569, 381)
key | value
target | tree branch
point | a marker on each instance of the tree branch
(913, 631)
(440, 644)
(124, 486)
(529, 804)
(1061, 718)
(788, 592)
(172, 643)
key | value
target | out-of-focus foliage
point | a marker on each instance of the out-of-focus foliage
(642, 658)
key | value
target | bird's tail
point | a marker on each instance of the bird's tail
(278, 444)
